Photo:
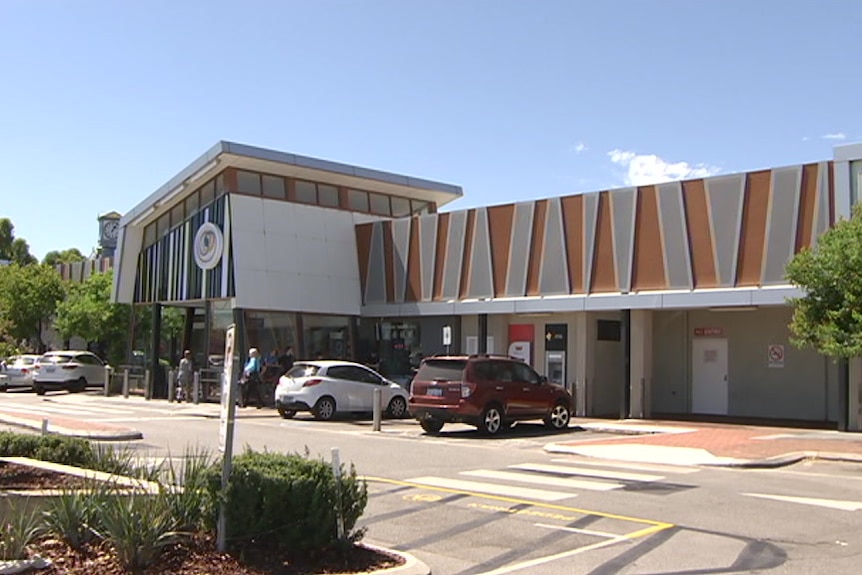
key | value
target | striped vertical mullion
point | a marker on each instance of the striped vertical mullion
(225, 260)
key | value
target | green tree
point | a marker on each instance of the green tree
(11, 248)
(29, 295)
(69, 256)
(87, 312)
(829, 317)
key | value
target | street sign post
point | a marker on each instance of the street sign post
(226, 426)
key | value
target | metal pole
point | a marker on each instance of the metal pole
(45, 426)
(126, 383)
(107, 390)
(172, 392)
(148, 392)
(336, 470)
(378, 409)
(196, 386)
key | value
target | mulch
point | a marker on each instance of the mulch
(17, 477)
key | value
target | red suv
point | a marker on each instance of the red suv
(489, 392)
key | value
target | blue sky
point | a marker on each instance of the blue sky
(103, 102)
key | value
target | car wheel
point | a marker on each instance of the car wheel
(492, 420)
(431, 425)
(558, 418)
(324, 409)
(286, 413)
(39, 389)
(397, 407)
(79, 386)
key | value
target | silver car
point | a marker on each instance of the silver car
(19, 371)
(72, 370)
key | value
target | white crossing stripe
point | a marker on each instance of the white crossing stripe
(572, 470)
(64, 410)
(656, 467)
(492, 488)
(544, 480)
(48, 410)
(828, 503)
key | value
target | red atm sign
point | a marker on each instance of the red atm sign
(708, 331)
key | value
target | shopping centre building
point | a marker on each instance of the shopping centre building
(665, 299)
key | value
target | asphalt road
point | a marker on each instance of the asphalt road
(466, 504)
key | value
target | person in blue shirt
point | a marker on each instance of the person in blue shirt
(250, 381)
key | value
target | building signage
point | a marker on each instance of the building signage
(208, 246)
(556, 336)
(775, 355)
(708, 331)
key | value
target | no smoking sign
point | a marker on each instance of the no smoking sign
(775, 355)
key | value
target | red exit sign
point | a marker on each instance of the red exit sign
(708, 331)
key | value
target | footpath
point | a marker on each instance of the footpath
(645, 441)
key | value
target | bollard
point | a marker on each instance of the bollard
(44, 426)
(378, 397)
(107, 380)
(196, 387)
(172, 383)
(148, 392)
(336, 471)
(126, 383)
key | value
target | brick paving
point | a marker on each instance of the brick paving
(745, 441)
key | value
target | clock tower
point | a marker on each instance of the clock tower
(109, 229)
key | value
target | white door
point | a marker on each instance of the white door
(709, 375)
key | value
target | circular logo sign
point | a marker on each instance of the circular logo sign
(208, 246)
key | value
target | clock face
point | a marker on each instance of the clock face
(111, 229)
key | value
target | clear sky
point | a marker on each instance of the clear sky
(103, 102)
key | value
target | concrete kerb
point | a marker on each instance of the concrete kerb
(411, 566)
(96, 435)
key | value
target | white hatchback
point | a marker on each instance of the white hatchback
(328, 387)
(72, 370)
(19, 371)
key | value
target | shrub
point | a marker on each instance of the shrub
(55, 448)
(137, 527)
(185, 492)
(21, 528)
(74, 516)
(289, 502)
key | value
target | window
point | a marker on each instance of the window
(608, 330)
(357, 200)
(177, 215)
(162, 225)
(442, 370)
(192, 204)
(302, 370)
(420, 208)
(340, 372)
(208, 193)
(248, 183)
(482, 370)
(379, 204)
(524, 373)
(306, 192)
(273, 187)
(327, 195)
(400, 207)
(503, 371)
(150, 235)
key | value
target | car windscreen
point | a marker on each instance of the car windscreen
(25, 361)
(302, 370)
(441, 370)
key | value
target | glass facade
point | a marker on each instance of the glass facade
(326, 337)
(270, 330)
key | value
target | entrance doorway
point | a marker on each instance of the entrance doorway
(709, 376)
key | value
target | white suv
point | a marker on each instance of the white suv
(72, 370)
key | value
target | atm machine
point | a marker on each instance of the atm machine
(555, 367)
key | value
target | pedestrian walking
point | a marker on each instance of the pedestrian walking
(184, 376)
(251, 379)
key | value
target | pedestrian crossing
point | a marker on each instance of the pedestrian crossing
(88, 407)
(560, 480)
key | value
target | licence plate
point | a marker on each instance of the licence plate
(436, 391)
(50, 369)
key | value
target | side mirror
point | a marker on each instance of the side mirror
(543, 379)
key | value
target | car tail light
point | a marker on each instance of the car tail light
(70, 366)
(36, 367)
(467, 389)
(311, 382)
(24, 371)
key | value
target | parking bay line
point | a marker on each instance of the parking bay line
(601, 473)
(544, 480)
